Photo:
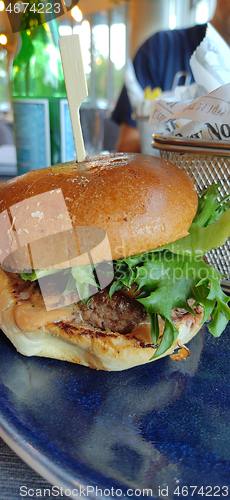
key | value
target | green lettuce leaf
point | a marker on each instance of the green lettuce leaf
(35, 275)
(81, 278)
(203, 239)
(210, 228)
(84, 281)
(209, 208)
(167, 280)
(168, 276)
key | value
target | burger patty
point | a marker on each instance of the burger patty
(118, 313)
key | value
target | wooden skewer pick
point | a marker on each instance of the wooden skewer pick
(76, 87)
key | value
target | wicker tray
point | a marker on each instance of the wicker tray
(205, 163)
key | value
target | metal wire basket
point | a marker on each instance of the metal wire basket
(205, 163)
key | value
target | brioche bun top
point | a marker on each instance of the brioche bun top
(139, 202)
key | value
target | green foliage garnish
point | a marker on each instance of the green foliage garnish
(169, 276)
(210, 228)
(168, 280)
(35, 275)
(81, 277)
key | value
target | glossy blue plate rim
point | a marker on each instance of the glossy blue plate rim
(158, 426)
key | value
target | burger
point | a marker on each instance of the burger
(102, 261)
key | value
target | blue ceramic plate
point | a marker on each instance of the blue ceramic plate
(160, 429)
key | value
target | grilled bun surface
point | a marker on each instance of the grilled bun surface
(140, 202)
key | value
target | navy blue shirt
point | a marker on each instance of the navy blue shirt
(157, 62)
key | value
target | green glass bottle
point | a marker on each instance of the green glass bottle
(38, 92)
(4, 82)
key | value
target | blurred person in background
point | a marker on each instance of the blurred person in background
(157, 62)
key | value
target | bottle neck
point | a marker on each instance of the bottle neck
(38, 13)
(37, 70)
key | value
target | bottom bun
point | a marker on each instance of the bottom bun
(57, 334)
